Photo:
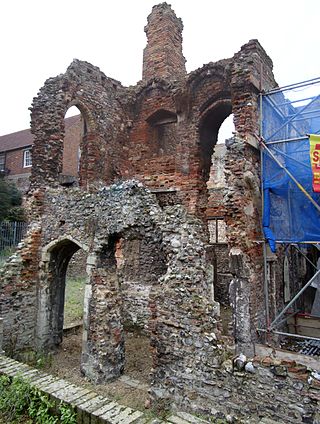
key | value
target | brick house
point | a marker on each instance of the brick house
(16, 154)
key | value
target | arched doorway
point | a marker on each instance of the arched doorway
(56, 257)
(127, 269)
(216, 128)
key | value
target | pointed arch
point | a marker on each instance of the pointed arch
(55, 258)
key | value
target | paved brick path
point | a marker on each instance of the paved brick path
(91, 408)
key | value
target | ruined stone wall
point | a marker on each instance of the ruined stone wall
(191, 369)
(18, 305)
(162, 144)
(243, 200)
(97, 97)
(163, 133)
(148, 259)
(99, 223)
(146, 157)
(284, 392)
(142, 263)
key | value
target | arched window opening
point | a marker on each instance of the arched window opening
(226, 130)
(216, 177)
(209, 130)
(75, 131)
(163, 130)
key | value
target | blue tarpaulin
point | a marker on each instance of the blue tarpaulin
(288, 215)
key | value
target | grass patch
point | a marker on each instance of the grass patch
(74, 297)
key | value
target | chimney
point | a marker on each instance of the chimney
(163, 57)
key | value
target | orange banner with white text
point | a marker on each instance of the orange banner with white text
(315, 161)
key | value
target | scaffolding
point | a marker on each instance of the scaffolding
(291, 209)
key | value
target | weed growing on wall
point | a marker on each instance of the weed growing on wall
(18, 399)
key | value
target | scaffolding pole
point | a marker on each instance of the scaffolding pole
(304, 110)
(279, 111)
(282, 333)
(300, 112)
(265, 276)
(315, 204)
(272, 325)
(305, 256)
(294, 86)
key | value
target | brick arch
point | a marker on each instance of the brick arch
(211, 103)
(210, 122)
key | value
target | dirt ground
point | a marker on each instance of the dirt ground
(65, 363)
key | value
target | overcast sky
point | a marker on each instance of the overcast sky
(40, 38)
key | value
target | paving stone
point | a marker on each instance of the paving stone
(63, 392)
(107, 406)
(15, 370)
(54, 385)
(115, 414)
(38, 379)
(133, 418)
(12, 364)
(85, 399)
(43, 381)
(133, 383)
(190, 418)
(77, 396)
(177, 420)
(93, 404)
(28, 375)
(5, 360)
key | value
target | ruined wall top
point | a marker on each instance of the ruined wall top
(163, 57)
(161, 131)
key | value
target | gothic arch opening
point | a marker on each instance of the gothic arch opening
(73, 145)
(208, 131)
(56, 259)
(215, 127)
(226, 129)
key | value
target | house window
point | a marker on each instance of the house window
(217, 230)
(2, 161)
(27, 159)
